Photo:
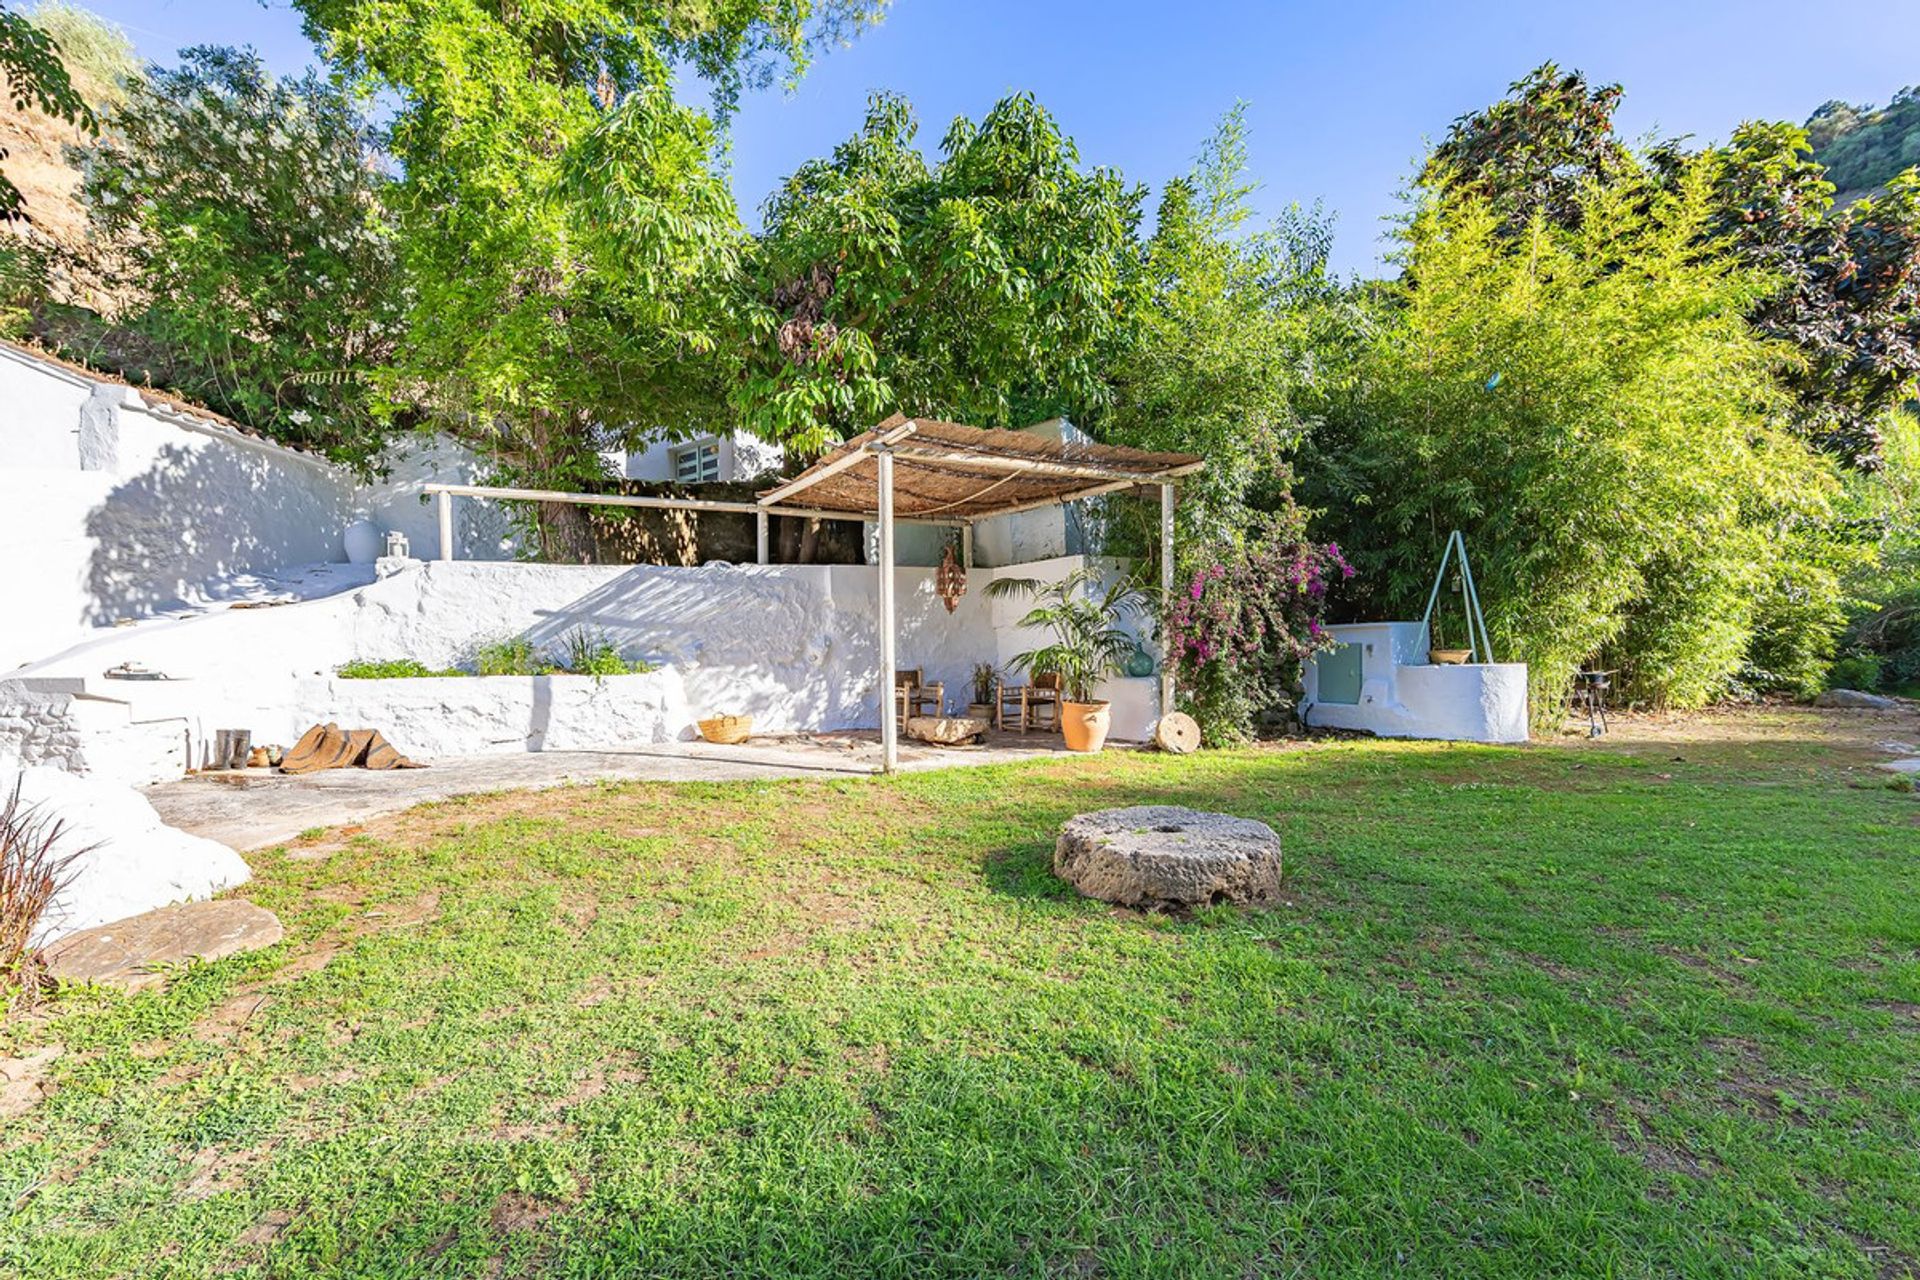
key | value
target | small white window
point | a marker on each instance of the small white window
(696, 463)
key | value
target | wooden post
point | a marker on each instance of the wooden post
(444, 501)
(966, 545)
(760, 536)
(1166, 593)
(889, 727)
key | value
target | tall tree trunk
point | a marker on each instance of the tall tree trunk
(566, 536)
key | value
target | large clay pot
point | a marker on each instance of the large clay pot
(1084, 724)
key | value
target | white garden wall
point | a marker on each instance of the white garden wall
(126, 860)
(117, 505)
(792, 645)
(484, 715)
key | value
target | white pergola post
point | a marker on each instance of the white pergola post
(760, 537)
(1166, 593)
(889, 727)
(444, 502)
(966, 545)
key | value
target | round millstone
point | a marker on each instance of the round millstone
(1164, 856)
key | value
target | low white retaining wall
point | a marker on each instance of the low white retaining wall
(482, 715)
(132, 862)
(1402, 695)
(85, 734)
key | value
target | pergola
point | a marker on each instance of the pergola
(913, 469)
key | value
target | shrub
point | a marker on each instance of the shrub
(1085, 612)
(1246, 619)
(512, 656)
(590, 653)
(1887, 607)
(390, 669)
(32, 871)
(1855, 671)
(224, 201)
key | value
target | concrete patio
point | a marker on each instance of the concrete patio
(255, 808)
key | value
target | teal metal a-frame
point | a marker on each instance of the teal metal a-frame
(1480, 647)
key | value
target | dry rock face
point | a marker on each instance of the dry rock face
(1164, 856)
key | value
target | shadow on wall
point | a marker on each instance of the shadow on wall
(198, 513)
(772, 645)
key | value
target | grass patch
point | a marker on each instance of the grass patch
(1526, 1012)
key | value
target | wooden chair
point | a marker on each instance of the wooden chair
(1043, 702)
(1009, 697)
(1032, 706)
(912, 697)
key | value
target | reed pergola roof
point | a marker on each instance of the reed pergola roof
(946, 471)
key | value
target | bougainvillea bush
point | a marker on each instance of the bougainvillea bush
(1244, 617)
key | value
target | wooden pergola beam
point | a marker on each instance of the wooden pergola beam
(966, 460)
(851, 458)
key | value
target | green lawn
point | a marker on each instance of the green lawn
(1555, 1011)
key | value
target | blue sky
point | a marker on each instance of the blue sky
(1341, 96)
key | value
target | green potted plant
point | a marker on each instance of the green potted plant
(1084, 612)
(984, 678)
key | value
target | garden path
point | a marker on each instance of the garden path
(255, 808)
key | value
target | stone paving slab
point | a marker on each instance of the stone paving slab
(134, 953)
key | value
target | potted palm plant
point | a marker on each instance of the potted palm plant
(1083, 611)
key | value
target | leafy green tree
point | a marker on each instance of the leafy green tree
(100, 59)
(986, 288)
(238, 218)
(1220, 337)
(1845, 280)
(1587, 402)
(1535, 151)
(565, 232)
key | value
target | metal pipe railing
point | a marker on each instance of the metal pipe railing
(444, 494)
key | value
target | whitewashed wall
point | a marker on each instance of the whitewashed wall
(792, 645)
(1403, 695)
(40, 405)
(113, 507)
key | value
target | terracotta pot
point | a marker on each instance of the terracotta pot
(1448, 657)
(1084, 724)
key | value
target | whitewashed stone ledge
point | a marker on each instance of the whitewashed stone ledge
(87, 734)
(133, 862)
(487, 715)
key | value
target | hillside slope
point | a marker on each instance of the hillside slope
(1863, 146)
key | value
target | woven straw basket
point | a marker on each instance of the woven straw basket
(727, 729)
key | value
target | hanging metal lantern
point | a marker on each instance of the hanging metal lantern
(950, 583)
